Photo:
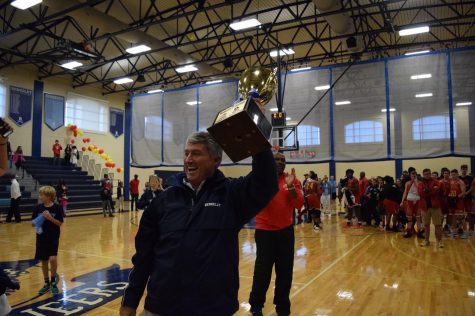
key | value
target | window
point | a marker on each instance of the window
(364, 132)
(3, 100)
(153, 128)
(308, 135)
(87, 113)
(432, 128)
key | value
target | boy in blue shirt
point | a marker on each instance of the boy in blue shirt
(47, 239)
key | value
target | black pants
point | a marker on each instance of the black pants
(134, 198)
(273, 247)
(14, 210)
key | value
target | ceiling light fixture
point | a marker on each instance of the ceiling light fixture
(214, 81)
(241, 25)
(155, 91)
(424, 95)
(417, 52)
(320, 88)
(414, 30)
(390, 110)
(186, 68)
(123, 80)
(71, 65)
(191, 103)
(25, 4)
(285, 51)
(138, 49)
(463, 103)
(343, 102)
(300, 69)
(422, 76)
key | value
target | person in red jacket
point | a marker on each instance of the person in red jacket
(410, 201)
(134, 192)
(275, 242)
(429, 204)
(313, 192)
(456, 206)
(56, 152)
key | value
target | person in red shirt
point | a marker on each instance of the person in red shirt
(363, 184)
(456, 206)
(134, 192)
(313, 192)
(275, 242)
(56, 152)
(443, 194)
(429, 205)
(410, 202)
(471, 216)
(350, 187)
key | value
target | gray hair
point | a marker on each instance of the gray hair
(214, 149)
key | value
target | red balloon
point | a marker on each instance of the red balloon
(83, 148)
(119, 170)
(112, 164)
(72, 141)
(75, 133)
(84, 140)
(88, 140)
(101, 151)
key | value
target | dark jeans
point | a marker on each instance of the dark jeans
(134, 198)
(14, 210)
(273, 247)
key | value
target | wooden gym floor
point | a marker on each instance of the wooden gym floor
(337, 271)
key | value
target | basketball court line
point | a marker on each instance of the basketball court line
(68, 251)
(394, 246)
(325, 270)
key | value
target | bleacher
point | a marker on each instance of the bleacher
(83, 190)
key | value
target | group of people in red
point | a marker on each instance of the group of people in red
(411, 202)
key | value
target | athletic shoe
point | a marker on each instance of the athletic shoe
(440, 244)
(460, 231)
(425, 243)
(316, 227)
(420, 234)
(348, 224)
(44, 289)
(407, 235)
(464, 235)
(54, 288)
(446, 228)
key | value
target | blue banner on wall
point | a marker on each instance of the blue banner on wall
(54, 111)
(20, 105)
(116, 122)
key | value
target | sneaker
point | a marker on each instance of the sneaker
(446, 228)
(420, 234)
(407, 235)
(460, 231)
(54, 288)
(464, 235)
(110, 215)
(316, 227)
(348, 224)
(44, 289)
(440, 244)
(425, 243)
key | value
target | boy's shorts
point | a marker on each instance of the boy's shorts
(46, 248)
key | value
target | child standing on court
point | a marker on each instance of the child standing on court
(47, 240)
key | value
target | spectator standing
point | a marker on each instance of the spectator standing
(56, 152)
(67, 154)
(275, 242)
(134, 192)
(18, 160)
(74, 156)
(120, 196)
(15, 198)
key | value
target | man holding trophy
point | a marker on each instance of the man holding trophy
(187, 243)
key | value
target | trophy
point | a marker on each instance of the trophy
(242, 130)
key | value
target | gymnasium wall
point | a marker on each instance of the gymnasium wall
(24, 77)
